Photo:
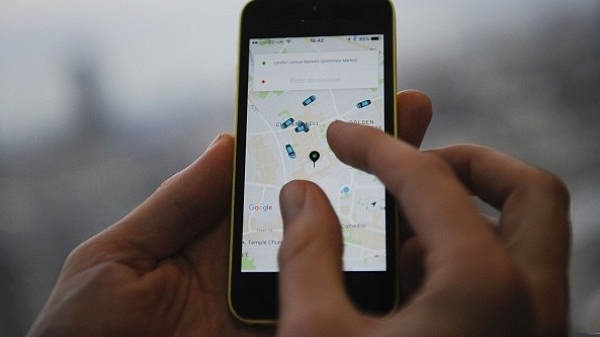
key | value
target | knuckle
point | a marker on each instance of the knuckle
(83, 256)
(294, 244)
(169, 181)
(434, 165)
(547, 189)
(304, 247)
(552, 185)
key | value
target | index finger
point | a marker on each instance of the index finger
(434, 202)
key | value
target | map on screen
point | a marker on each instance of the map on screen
(296, 87)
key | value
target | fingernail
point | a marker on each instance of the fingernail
(215, 141)
(337, 121)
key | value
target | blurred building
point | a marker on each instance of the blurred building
(535, 95)
(55, 196)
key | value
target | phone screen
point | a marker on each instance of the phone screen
(296, 87)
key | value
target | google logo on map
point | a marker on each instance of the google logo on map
(260, 207)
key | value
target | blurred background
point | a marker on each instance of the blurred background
(101, 101)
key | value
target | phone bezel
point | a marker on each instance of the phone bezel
(298, 18)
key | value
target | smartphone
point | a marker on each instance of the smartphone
(304, 64)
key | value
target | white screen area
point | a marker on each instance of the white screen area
(296, 87)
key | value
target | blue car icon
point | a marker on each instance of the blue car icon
(363, 104)
(309, 100)
(287, 123)
(290, 151)
(301, 127)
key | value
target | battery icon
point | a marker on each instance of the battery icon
(374, 38)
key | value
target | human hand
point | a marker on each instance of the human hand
(162, 270)
(480, 278)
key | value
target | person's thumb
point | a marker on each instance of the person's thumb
(311, 282)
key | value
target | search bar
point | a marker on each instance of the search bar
(308, 71)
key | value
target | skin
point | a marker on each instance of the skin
(480, 277)
(162, 270)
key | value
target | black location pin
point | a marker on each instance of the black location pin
(314, 156)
